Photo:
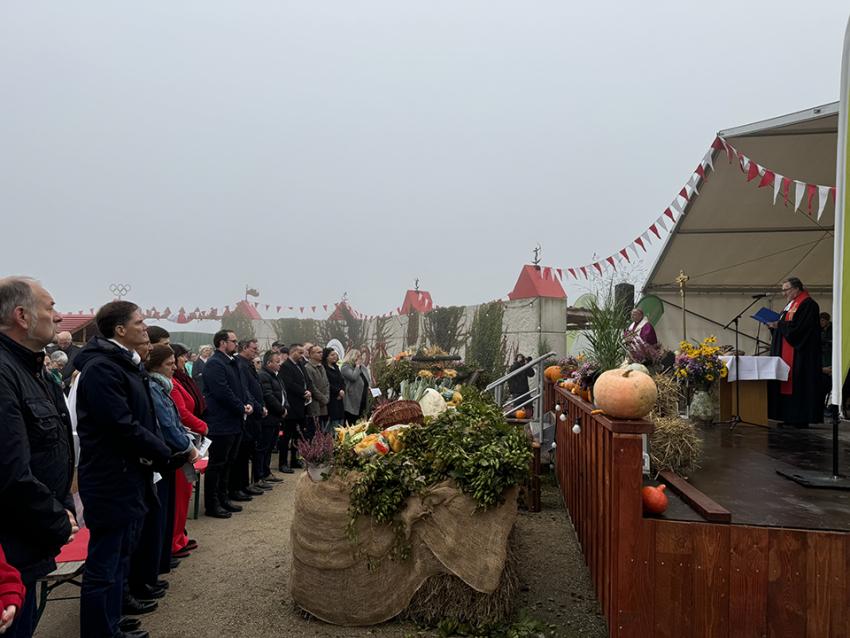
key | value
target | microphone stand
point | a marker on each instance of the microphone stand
(736, 418)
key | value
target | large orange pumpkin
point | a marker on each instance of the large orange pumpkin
(520, 414)
(654, 499)
(625, 394)
(553, 373)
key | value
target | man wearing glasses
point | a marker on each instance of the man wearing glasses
(228, 405)
(796, 338)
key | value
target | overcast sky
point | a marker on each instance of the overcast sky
(313, 148)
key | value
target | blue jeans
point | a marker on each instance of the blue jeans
(24, 624)
(107, 567)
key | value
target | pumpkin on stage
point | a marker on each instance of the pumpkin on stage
(553, 373)
(520, 414)
(625, 394)
(654, 499)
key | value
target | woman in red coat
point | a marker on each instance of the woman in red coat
(11, 593)
(190, 405)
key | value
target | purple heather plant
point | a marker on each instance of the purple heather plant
(317, 451)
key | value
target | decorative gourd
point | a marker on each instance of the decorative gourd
(553, 373)
(625, 394)
(433, 403)
(654, 499)
(520, 414)
(639, 367)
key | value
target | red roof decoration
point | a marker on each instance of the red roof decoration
(247, 309)
(532, 283)
(418, 301)
(72, 322)
(340, 310)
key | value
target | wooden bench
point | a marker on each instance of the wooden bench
(69, 567)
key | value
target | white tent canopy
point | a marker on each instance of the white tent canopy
(733, 242)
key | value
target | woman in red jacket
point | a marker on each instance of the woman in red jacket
(11, 593)
(190, 405)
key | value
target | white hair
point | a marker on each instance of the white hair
(58, 357)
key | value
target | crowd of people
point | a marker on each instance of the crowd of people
(145, 411)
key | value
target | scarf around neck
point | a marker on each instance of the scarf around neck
(164, 381)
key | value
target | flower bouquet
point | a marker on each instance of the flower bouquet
(700, 367)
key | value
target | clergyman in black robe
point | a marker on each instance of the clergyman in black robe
(796, 338)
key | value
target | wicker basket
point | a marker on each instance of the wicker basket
(397, 413)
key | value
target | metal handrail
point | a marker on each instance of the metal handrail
(528, 365)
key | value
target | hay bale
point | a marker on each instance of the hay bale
(669, 394)
(447, 596)
(674, 445)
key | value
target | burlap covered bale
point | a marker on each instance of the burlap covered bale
(331, 578)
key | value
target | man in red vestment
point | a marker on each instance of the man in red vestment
(796, 338)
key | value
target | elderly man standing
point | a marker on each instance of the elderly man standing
(641, 329)
(65, 344)
(36, 459)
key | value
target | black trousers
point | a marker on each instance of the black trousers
(150, 559)
(240, 473)
(222, 455)
(107, 568)
(263, 451)
(292, 427)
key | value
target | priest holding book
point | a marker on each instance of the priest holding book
(796, 339)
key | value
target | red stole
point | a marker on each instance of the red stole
(787, 387)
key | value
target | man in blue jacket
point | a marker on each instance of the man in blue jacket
(228, 405)
(120, 447)
(36, 449)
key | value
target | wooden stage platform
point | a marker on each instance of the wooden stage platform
(777, 563)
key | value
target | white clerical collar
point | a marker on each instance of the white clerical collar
(136, 358)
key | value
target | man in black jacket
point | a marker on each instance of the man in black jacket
(36, 449)
(240, 474)
(274, 397)
(297, 393)
(228, 405)
(64, 342)
(120, 447)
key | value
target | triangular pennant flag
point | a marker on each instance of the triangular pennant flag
(767, 179)
(654, 229)
(583, 271)
(832, 192)
(547, 272)
(312, 308)
(660, 221)
(625, 253)
(256, 304)
(786, 188)
(325, 307)
(560, 272)
(717, 144)
(675, 205)
(301, 308)
(730, 152)
(267, 306)
(799, 191)
(708, 159)
(700, 170)
(692, 184)
(618, 257)
(684, 193)
(823, 193)
(777, 183)
(610, 260)
(292, 307)
(744, 163)
(811, 189)
(639, 242)
(572, 272)
(277, 308)
(753, 171)
(645, 236)
(669, 214)
(398, 310)
(597, 266)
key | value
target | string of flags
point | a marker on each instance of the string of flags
(182, 315)
(804, 194)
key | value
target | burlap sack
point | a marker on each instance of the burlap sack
(331, 578)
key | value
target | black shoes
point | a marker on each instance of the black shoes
(148, 593)
(136, 633)
(218, 512)
(271, 478)
(230, 507)
(267, 487)
(175, 563)
(128, 623)
(162, 584)
(285, 469)
(241, 496)
(253, 490)
(134, 607)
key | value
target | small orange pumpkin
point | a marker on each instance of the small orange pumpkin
(520, 414)
(654, 499)
(625, 394)
(553, 373)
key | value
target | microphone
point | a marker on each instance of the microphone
(760, 295)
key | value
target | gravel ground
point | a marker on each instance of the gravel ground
(236, 582)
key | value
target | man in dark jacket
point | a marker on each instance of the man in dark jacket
(204, 354)
(64, 342)
(228, 405)
(36, 457)
(120, 448)
(240, 474)
(297, 393)
(274, 397)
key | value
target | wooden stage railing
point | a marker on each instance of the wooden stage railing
(656, 577)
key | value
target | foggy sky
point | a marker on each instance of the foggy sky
(314, 148)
